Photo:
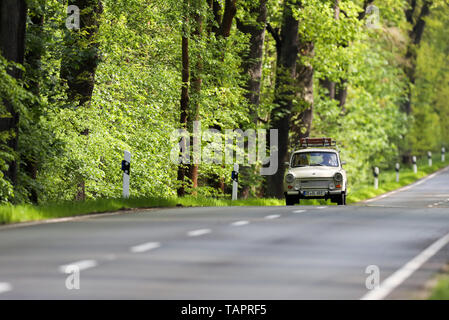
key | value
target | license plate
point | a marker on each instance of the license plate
(314, 193)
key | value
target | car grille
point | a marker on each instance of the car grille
(315, 184)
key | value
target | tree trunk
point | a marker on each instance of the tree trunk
(196, 96)
(284, 93)
(225, 23)
(252, 62)
(216, 7)
(415, 35)
(302, 122)
(33, 57)
(12, 46)
(252, 67)
(80, 61)
(342, 93)
(366, 3)
(329, 86)
(228, 15)
(336, 91)
(184, 97)
(35, 49)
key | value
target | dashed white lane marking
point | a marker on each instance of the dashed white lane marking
(5, 287)
(239, 223)
(299, 211)
(393, 281)
(321, 207)
(272, 216)
(81, 265)
(199, 232)
(145, 247)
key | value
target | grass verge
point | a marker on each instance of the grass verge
(441, 289)
(23, 213)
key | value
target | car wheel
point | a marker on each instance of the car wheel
(291, 200)
(341, 201)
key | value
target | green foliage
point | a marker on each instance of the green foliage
(347, 52)
(430, 126)
(132, 108)
(135, 103)
(12, 92)
(441, 290)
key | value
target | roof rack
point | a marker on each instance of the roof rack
(316, 142)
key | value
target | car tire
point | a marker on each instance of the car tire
(291, 200)
(341, 200)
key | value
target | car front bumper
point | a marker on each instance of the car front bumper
(327, 194)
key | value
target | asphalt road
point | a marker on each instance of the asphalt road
(300, 252)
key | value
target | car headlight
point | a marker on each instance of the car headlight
(338, 177)
(289, 178)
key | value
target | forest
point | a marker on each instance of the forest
(83, 80)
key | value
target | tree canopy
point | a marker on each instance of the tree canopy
(372, 75)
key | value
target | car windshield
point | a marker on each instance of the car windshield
(304, 159)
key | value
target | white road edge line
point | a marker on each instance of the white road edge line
(199, 232)
(81, 265)
(65, 219)
(240, 223)
(299, 211)
(145, 247)
(5, 287)
(272, 216)
(397, 278)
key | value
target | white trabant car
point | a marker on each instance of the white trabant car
(315, 172)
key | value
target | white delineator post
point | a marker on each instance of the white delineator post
(443, 154)
(235, 178)
(397, 171)
(429, 156)
(415, 168)
(376, 177)
(126, 171)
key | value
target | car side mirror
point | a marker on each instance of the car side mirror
(287, 164)
(343, 163)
